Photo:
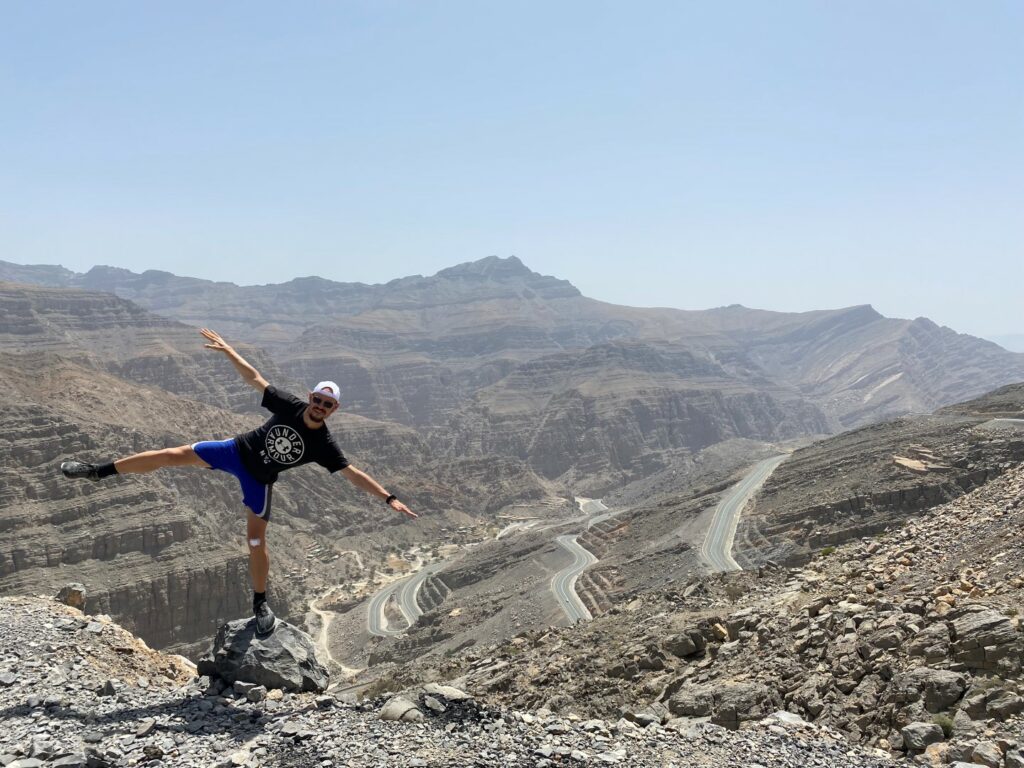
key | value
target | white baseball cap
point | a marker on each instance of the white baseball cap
(328, 389)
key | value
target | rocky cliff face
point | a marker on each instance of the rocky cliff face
(148, 556)
(109, 334)
(165, 553)
(615, 412)
(510, 385)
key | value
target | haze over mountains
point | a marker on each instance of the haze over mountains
(417, 349)
(467, 392)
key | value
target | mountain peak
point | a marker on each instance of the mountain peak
(508, 270)
(490, 267)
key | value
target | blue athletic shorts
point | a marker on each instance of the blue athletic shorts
(223, 455)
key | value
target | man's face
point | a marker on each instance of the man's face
(320, 406)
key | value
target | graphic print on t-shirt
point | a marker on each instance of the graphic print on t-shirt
(284, 445)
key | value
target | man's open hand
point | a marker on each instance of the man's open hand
(216, 342)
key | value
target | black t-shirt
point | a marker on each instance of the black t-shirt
(285, 441)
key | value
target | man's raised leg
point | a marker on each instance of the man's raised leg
(148, 461)
(182, 456)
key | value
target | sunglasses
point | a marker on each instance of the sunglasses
(323, 402)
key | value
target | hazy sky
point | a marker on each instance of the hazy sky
(784, 155)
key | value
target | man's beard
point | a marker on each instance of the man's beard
(314, 417)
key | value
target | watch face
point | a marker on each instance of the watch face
(284, 445)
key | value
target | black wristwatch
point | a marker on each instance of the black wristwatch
(390, 498)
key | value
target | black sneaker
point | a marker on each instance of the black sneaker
(79, 469)
(265, 620)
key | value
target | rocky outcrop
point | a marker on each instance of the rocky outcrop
(848, 486)
(285, 659)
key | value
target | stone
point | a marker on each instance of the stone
(400, 708)
(963, 725)
(73, 594)
(940, 688)
(685, 644)
(433, 704)
(145, 728)
(286, 659)
(1001, 707)
(256, 694)
(917, 736)
(1014, 759)
(987, 753)
(789, 718)
(447, 692)
(854, 609)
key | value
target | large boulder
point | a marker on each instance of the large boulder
(73, 594)
(917, 736)
(285, 659)
(686, 643)
(987, 640)
(940, 688)
(727, 704)
(400, 708)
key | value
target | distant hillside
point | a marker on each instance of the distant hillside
(419, 349)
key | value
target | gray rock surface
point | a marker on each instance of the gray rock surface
(917, 736)
(191, 722)
(285, 659)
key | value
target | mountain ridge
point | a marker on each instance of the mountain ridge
(473, 323)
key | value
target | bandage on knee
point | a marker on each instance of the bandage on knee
(255, 542)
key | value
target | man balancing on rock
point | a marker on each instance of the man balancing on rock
(294, 435)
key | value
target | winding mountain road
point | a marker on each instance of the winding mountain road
(410, 588)
(717, 547)
(376, 621)
(405, 592)
(563, 584)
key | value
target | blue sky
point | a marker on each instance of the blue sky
(784, 155)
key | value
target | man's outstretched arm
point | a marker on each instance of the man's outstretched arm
(249, 374)
(360, 479)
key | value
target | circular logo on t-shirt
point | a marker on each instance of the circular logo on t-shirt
(284, 444)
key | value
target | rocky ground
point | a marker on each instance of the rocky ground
(909, 641)
(866, 480)
(77, 690)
